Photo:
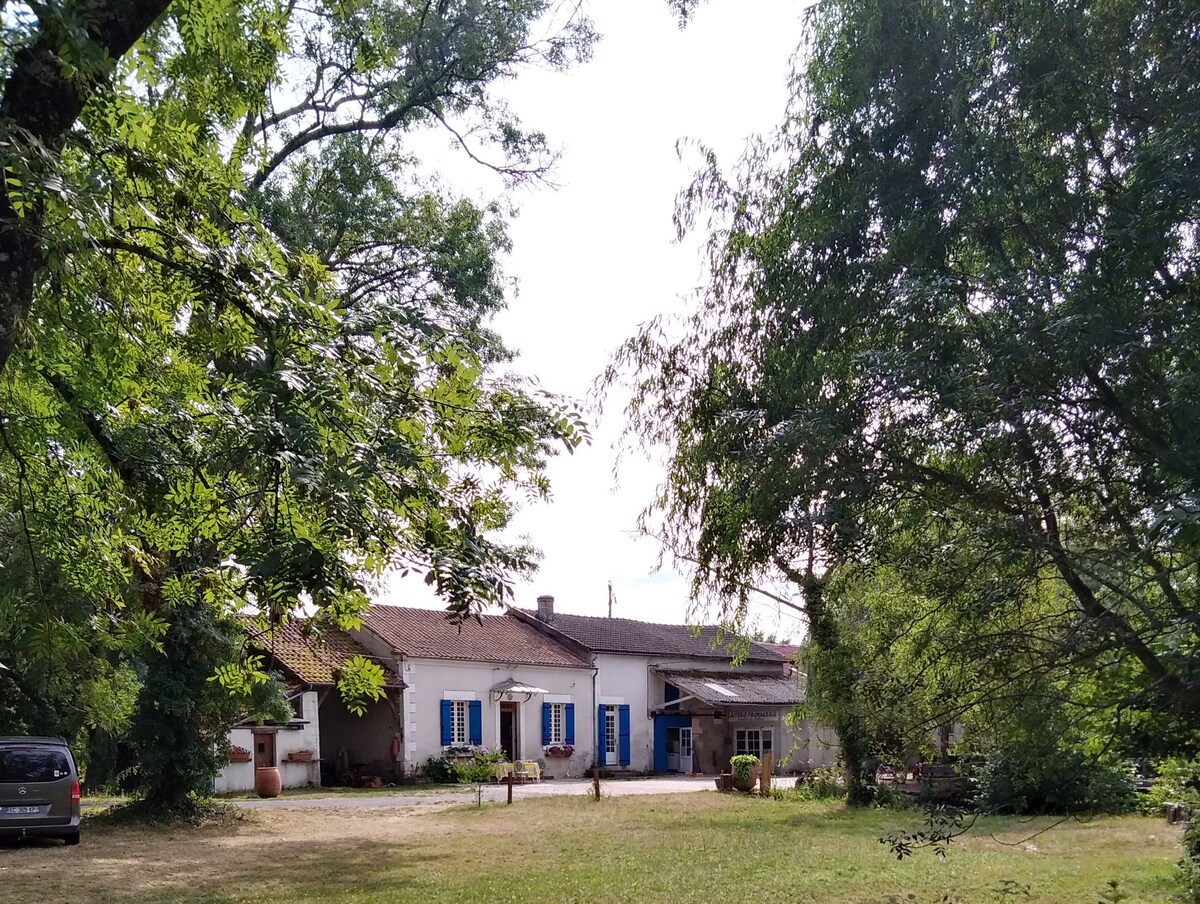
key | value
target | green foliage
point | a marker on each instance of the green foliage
(440, 770)
(952, 332)
(1176, 780)
(743, 765)
(1023, 778)
(1189, 865)
(255, 367)
(360, 683)
(179, 734)
(479, 770)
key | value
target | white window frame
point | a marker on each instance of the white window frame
(611, 728)
(763, 741)
(460, 723)
(558, 723)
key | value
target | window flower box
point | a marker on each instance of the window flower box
(239, 754)
(461, 751)
(558, 750)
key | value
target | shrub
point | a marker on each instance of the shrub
(1189, 866)
(1021, 780)
(827, 783)
(743, 764)
(440, 771)
(1177, 780)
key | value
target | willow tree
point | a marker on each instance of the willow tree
(955, 297)
(257, 367)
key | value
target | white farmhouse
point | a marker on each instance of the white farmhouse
(492, 681)
(668, 697)
(324, 742)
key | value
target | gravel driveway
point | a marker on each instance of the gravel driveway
(562, 787)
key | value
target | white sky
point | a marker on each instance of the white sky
(597, 257)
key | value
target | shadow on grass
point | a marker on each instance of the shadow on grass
(197, 865)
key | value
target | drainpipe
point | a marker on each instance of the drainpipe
(402, 758)
(596, 764)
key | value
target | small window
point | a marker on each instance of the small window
(33, 765)
(557, 721)
(459, 734)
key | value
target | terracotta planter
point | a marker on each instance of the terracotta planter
(267, 781)
(239, 757)
(746, 784)
(301, 756)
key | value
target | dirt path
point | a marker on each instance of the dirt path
(561, 788)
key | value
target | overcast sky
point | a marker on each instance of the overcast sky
(597, 257)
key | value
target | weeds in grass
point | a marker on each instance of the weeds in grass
(191, 811)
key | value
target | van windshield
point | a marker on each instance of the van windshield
(29, 764)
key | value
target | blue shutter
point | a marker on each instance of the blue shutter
(546, 724)
(447, 719)
(601, 741)
(569, 728)
(475, 712)
(623, 734)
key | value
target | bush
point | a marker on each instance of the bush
(1020, 780)
(1176, 781)
(742, 765)
(823, 783)
(1189, 866)
(440, 771)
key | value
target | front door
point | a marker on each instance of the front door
(672, 749)
(685, 750)
(508, 730)
(264, 749)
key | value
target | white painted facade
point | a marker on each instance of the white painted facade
(239, 777)
(430, 681)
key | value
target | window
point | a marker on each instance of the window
(459, 734)
(24, 764)
(610, 731)
(754, 741)
(558, 721)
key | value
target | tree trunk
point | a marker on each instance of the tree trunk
(852, 737)
(42, 100)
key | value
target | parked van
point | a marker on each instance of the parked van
(39, 789)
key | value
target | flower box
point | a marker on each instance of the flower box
(239, 755)
(558, 750)
(300, 756)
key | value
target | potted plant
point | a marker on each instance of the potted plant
(745, 771)
(558, 750)
(301, 756)
(239, 754)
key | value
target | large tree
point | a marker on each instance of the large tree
(257, 367)
(953, 327)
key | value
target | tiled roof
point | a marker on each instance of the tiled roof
(492, 638)
(314, 659)
(624, 635)
(723, 689)
(786, 650)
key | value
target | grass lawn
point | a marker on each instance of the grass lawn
(700, 847)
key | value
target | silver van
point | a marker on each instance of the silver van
(39, 789)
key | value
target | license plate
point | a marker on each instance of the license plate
(17, 811)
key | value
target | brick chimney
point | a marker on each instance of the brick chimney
(545, 608)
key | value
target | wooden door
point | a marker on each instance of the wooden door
(264, 749)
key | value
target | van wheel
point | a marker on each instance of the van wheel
(73, 838)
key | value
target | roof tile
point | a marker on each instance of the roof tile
(489, 638)
(314, 659)
(625, 635)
